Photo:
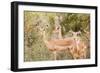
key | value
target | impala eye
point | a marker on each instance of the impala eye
(58, 28)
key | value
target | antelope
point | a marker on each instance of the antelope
(79, 47)
(58, 43)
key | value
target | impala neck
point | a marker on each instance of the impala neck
(44, 37)
(58, 27)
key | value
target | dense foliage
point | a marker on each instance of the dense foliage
(37, 22)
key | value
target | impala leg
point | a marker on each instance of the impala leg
(55, 55)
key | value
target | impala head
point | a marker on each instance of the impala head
(57, 28)
(57, 23)
(75, 34)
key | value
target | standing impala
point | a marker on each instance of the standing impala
(79, 49)
(57, 43)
